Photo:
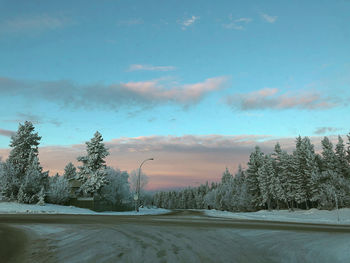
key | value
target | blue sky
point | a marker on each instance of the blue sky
(159, 68)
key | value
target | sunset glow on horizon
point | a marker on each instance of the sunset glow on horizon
(194, 85)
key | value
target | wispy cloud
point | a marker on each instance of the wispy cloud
(34, 23)
(324, 130)
(237, 24)
(268, 98)
(131, 94)
(155, 91)
(268, 18)
(185, 23)
(136, 67)
(35, 119)
(130, 22)
(6, 133)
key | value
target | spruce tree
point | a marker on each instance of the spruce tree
(255, 162)
(305, 166)
(329, 159)
(70, 171)
(24, 143)
(282, 177)
(92, 173)
(33, 182)
(343, 167)
(226, 177)
(266, 175)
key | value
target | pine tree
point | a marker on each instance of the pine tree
(93, 171)
(24, 143)
(348, 148)
(328, 156)
(305, 166)
(41, 197)
(282, 176)
(226, 177)
(255, 162)
(34, 180)
(266, 175)
(343, 167)
(70, 171)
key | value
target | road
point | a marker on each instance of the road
(180, 236)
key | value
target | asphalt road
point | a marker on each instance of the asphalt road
(180, 236)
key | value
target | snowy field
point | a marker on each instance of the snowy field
(305, 216)
(15, 208)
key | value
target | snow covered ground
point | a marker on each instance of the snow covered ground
(14, 208)
(305, 216)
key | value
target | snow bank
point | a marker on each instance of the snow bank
(15, 208)
(304, 216)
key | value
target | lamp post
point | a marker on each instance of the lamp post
(137, 195)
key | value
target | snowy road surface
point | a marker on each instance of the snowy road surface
(181, 236)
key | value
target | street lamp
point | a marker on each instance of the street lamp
(137, 196)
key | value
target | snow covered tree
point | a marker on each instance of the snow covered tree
(70, 171)
(9, 181)
(332, 188)
(348, 148)
(34, 180)
(305, 166)
(2, 176)
(58, 190)
(266, 174)
(343, 166)
(226, 177)
(92, 173)
(284, 181)
(256, 160)
(41, 196)
(210, 198)
(117, 189)
(329, 160)
(24, 143)
(241, 197)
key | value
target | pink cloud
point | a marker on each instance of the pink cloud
(269, 98)
(183, 93)
(131, 94)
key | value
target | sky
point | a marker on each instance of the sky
(193, 84)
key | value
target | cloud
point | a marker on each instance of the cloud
(185, 23)
(269, 19)
(35, 119)
(136, 67)
(268, 98)
(237, 24)
(33, 23)
(6, 133)
(131, 94)
(323, 130)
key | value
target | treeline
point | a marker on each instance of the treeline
(302, 179)
(22, 178)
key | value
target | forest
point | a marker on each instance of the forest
(279, 180)
(22, 178)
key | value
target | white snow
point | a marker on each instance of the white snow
(305, 216)
(17, 208)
